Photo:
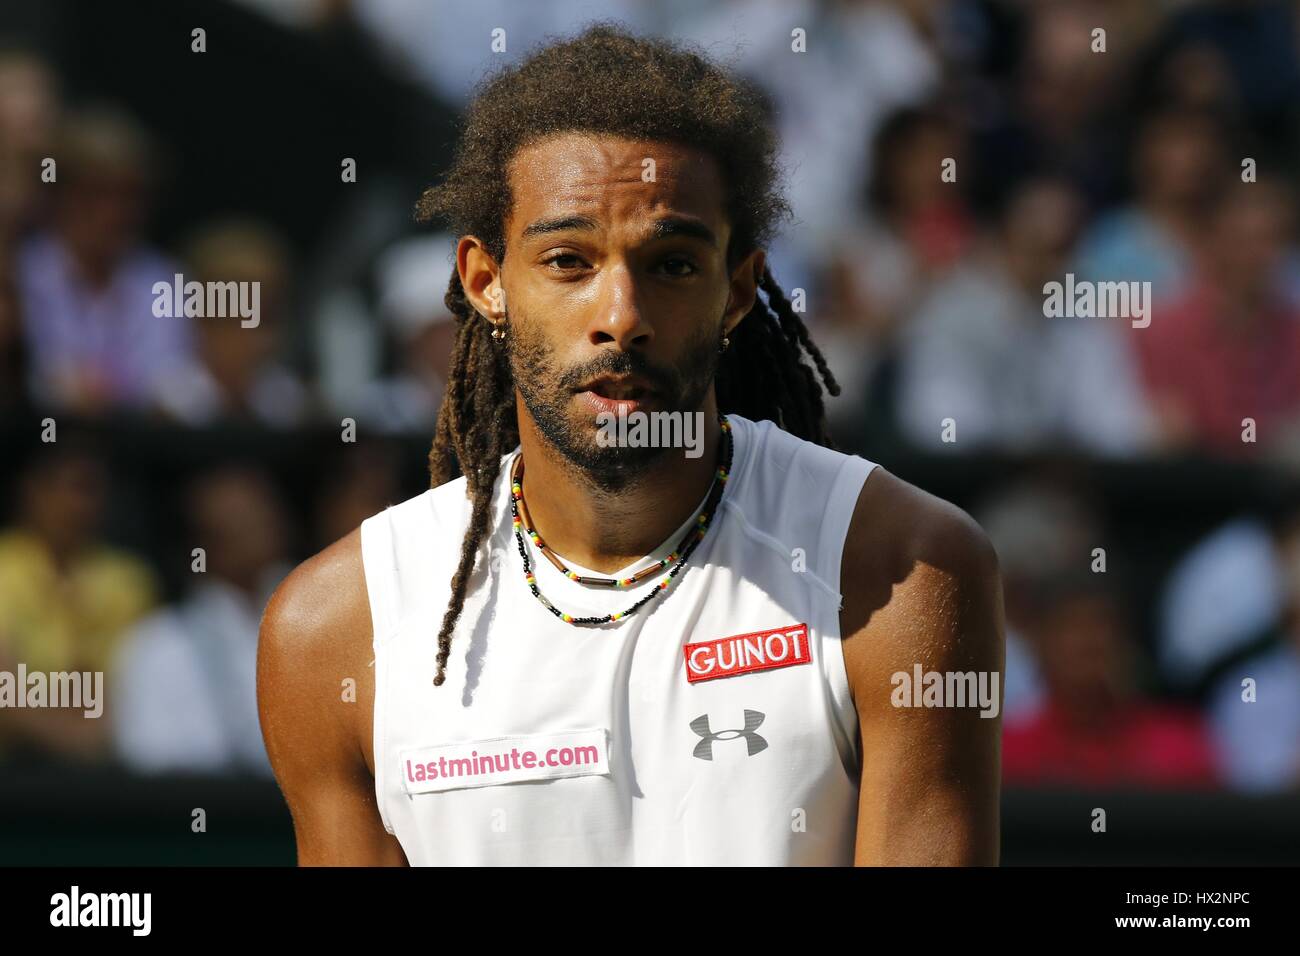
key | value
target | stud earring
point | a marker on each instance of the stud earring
(725, 343)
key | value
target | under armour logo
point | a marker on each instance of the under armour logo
(753, 742)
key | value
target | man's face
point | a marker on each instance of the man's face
(615, 266)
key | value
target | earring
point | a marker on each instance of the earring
(725, 342)
(498, 331)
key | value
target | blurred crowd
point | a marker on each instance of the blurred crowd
(946, 159)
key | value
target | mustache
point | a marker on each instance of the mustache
(623, 363)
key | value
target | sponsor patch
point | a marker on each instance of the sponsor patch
(747, 653)
(497, 760)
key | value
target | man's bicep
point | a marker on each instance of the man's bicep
(336, 820)
(930, 785)
(929, 791)
(311, 745)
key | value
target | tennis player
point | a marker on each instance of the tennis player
(646, 613)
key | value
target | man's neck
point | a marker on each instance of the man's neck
(606, 531)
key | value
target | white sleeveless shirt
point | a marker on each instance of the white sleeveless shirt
(712, 727)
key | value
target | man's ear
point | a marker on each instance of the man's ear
(743, 292)
(480, 276)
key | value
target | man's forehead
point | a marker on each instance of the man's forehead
(577, 173)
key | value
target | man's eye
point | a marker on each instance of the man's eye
(563, 256)
(676, 263)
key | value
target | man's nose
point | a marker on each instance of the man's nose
(619, 316)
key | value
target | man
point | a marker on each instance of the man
(86, 284)
(68, 598)
(711, 702)
(184, 680)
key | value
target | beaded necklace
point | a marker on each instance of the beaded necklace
(523, 522)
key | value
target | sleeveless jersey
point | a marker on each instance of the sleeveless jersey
(712, 727)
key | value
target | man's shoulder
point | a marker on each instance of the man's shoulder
(781, 458)
(324, 605)
(315, 635)
(897, 532)
(897, 527)
(891, 517)
(314, 646)
(921, 584)
(320, 613)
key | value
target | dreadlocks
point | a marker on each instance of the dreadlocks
(609, 82)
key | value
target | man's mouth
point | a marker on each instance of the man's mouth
(619, 392)
(626, 388)
(616, 394)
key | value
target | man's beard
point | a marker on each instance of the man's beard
(548, 394)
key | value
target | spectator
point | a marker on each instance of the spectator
(1222, 598)
(1178, 163)
(974, 351)
(1057, 117)
(1257, 731)
(412, 280)
(1257, 47)
(1040, 532)
(1228, 349)
(915, 227)
(1093, 729)
(29, 112)
(359, 483)
(863, 61)
(236, 373)
(448, 45)
(87, 284)
(66, 598)
(981, 352)
(184, 697)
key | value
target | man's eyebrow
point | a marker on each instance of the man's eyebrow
(558, 224)
(660, 229)
(683, 226)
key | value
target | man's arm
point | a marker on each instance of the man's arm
(315, 633)
(921, 586)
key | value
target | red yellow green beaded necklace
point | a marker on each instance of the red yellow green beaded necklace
(678, 558)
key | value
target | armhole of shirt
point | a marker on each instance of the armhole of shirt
(840, 505)
(378, 565)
